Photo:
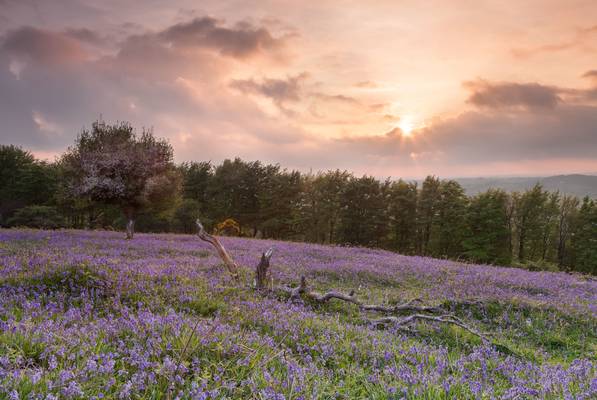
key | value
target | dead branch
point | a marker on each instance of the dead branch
(206, 237)
(417, 312)
(447, 319)
(302, 290)
(402, 323)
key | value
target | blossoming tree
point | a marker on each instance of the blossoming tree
(112, 164)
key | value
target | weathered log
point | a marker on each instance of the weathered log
(446, 319)
(206, 237)
(417, 312)
(399, 322)
(351, 298)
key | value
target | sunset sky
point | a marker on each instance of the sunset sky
(388, 88)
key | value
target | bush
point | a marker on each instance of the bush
(43, 217)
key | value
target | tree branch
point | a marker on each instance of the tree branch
(447, 319)
(400, 322)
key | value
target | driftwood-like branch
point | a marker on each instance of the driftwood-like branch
(206, 237)
(400, 322)
(447, 319)
(415, 311)
(302, 290)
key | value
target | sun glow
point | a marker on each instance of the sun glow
(406, 125)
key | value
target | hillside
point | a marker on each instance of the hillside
(86, 314)
(577, 185)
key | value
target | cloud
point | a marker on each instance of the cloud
(86, 35)
(505, 129)
(366, 84)
(592, 75)
(279, 90)
(580, 39)
(215, 90)
(509, 95)
(180, 89)
(241, 41)
(43, 47)
(337, 98)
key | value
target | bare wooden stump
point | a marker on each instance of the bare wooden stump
(130, 228)
(261, 271)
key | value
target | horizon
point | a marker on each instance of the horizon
(510, 93)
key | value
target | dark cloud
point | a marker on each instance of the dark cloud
(85, 35)
(566, 132)
(241, 41)
(47, 99)
(279, 90)
(337, 98)
(507, 95)
(477, 138)
(492, 134)
(41, 46)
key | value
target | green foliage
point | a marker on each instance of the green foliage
(450, 225)
(24, 181)
(318, 213)
(529, 210)
(585, 238)
(427, 205)
(488, 238)
(402, 215)
(111, 169)
(278, 201)
(185, 215)
(42, 217)
(363, 212)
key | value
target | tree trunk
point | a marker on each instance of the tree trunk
(521, 240)
(562, 236)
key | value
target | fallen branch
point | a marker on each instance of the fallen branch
(302, 290)
(417, 312)
(399, 322)
(206, 237)
(447, 319)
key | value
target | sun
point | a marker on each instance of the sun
(406, 125)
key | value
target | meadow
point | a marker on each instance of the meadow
(88, 315)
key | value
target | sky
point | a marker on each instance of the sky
(387, 88)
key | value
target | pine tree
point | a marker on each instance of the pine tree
(488, 236)
(584, 241)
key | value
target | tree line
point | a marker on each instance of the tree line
(114, 178)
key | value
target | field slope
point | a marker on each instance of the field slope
(87, 315)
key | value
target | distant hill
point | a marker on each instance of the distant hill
(578, 185)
